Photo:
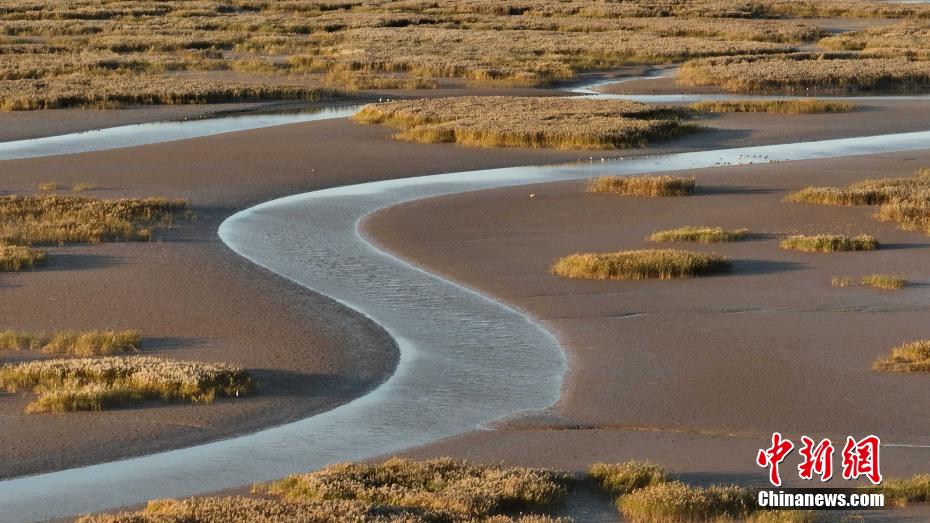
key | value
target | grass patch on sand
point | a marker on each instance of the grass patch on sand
(16, 258)
(910, 357)
(675, 501)
(904, 201)
(796, 72)
(888, 282)
(513, 121)
(49, 186)
(66, 385)
(775, 106)
(29, 220)
(915, 489)
(648, 186)
(663, 264)
(73, 343)
(457, 488)
(829, 243)
(701, 234)
(841, 281)
(623, 478)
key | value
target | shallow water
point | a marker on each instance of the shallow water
(465, 359)
(167, 131)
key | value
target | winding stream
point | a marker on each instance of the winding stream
(465, 359)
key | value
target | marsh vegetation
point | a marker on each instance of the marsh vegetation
(17, 258)
(73, 343)
(829, 243)
(700, 234)
(52, 219)
(909, 357)
(510, 121)
(662, 264)
(774, 106)
(904, 201)
(66, 385)
(648, 186)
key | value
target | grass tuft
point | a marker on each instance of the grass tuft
(902, 492)
(622, 478)
(663, 264)
(702, 234)
(81, 187)
(910, 357)
(905, 201)
(81, 344)
(807, 106)
(841, 281)
(66, 385)
(649, 186)
(458, 488)
(675, 501)
(888, 282)
(16, 258)
(49, 186)
(29, 220)
(829, 243)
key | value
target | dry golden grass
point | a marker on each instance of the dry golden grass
(841, 281)
(829, 243)
(888, 282)
(81, 187)
(622, 478)
(49, 186)
(910, 357)
(649, 186)
(803, 71)
(905, 201)
(663, 264)
(701, 234)
(775, 106)
(17, 258)
(511, 121)
(65, 385)
(458, 488)
(902, 492)
(72, 343)
(909, 40)
(674, 501)
(252, 510)
(29, 220)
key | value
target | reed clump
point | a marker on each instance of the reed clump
(806, 71)
(902, 492)
(17, 258)
(44, 220)
(622, 478)
(461, 489)
(841, 281)
(256, 510)
(808, 106)
(648, 186)
(675, 501)
(700, 234)
(909, 357)
(73, 343)
(66, 385)
(904, 201)
(512, 121)
(663, 264)
(829, 243)
(888, 282)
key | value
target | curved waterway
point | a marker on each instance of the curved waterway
(465, 359)
(165, 131)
